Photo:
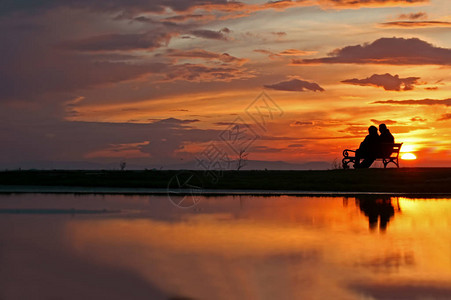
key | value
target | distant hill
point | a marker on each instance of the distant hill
(190, 165)
(261, 165)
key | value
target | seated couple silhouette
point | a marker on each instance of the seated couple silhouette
(373, 146)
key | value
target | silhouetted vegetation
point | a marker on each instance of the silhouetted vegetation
(404, 180)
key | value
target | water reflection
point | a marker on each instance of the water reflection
(233, 248)
(377, 208)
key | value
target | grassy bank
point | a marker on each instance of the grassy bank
(404, 180)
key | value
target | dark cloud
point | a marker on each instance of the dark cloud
(224, 123)
(202, 73)
(416, 24)
(35, 67)
(446, 102)
(391, 51)
(209, 34)
(131, 7)
(295, 85)
(387, 81)
(65, 74)
(175, 121)
(46, 138)
(208, 55)
(122, 42)
(187, 17)
(287, 52)
(386, 122)
(266, 149)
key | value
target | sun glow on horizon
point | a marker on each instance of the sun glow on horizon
(408, 156)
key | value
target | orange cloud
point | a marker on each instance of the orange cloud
(413, 16)
(387, 81)
(445, 117)
(418, 119)
(446, 102)
(391, 51)
(415, 24)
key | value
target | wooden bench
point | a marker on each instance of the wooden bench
(349, 156)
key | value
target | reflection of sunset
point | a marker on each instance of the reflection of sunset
(278, 238)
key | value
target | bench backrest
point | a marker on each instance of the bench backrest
(395, 150)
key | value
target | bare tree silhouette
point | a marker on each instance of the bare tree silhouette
(242, 159)
(122, 165)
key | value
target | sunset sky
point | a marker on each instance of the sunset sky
(160, 83)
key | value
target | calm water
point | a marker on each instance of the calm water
(226, 248)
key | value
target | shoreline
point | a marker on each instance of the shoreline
(14, 189)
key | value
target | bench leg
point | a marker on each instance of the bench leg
(392, 160)
(346, 161)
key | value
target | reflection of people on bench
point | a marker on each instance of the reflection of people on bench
(376, 208)
(368, 149)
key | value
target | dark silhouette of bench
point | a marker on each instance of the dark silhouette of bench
(349, 156)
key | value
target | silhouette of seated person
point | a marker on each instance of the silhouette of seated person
(387, 140)
(376, 208)
(368, 150)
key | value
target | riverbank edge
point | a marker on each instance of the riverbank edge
(201, 192)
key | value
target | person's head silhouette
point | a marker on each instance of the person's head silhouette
(382, 127)
(372, 130)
